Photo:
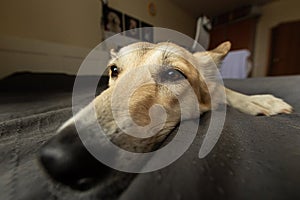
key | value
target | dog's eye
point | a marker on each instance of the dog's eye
(172, 75)
(114, 71)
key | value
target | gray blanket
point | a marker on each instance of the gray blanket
(255, 157)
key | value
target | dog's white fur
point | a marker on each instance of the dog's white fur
(146, 62)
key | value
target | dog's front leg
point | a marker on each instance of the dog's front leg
(265, 104)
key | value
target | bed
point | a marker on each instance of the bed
(255, 157)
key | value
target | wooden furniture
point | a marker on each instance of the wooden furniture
(241, 34)
(284, 49)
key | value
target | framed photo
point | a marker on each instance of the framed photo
(147, 33)
(131, 24)
(112, 19)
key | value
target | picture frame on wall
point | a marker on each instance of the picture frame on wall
(131, 25)
(112, 20)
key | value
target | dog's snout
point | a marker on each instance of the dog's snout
(66, 160)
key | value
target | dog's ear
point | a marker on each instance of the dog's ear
(113, 53)
(222, 49)
(216, 55)
(219, 53)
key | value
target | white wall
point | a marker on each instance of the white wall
(272, 14)
(72, 22)
(169, 15)
(69, 28)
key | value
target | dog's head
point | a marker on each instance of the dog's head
(142, 76)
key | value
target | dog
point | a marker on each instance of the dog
(165, 71)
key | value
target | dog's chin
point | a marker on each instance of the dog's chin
(67, 161)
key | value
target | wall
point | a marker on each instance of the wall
(272, 14)
(72, 22)
(68, 27)
(169, 15)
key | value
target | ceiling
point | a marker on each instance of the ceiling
(215, 7)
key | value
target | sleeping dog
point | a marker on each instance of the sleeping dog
(165, 71)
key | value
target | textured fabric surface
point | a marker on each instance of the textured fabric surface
(255, 157)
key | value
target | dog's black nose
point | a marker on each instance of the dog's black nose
(66, 160)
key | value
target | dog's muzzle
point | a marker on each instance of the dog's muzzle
(66, 160)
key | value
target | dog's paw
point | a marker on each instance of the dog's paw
(267, 105)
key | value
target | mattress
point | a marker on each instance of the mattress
(256, 157)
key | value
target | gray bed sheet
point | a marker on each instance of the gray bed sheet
(255, 157)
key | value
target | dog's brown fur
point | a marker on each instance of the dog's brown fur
(148, 61)
(143, 76)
